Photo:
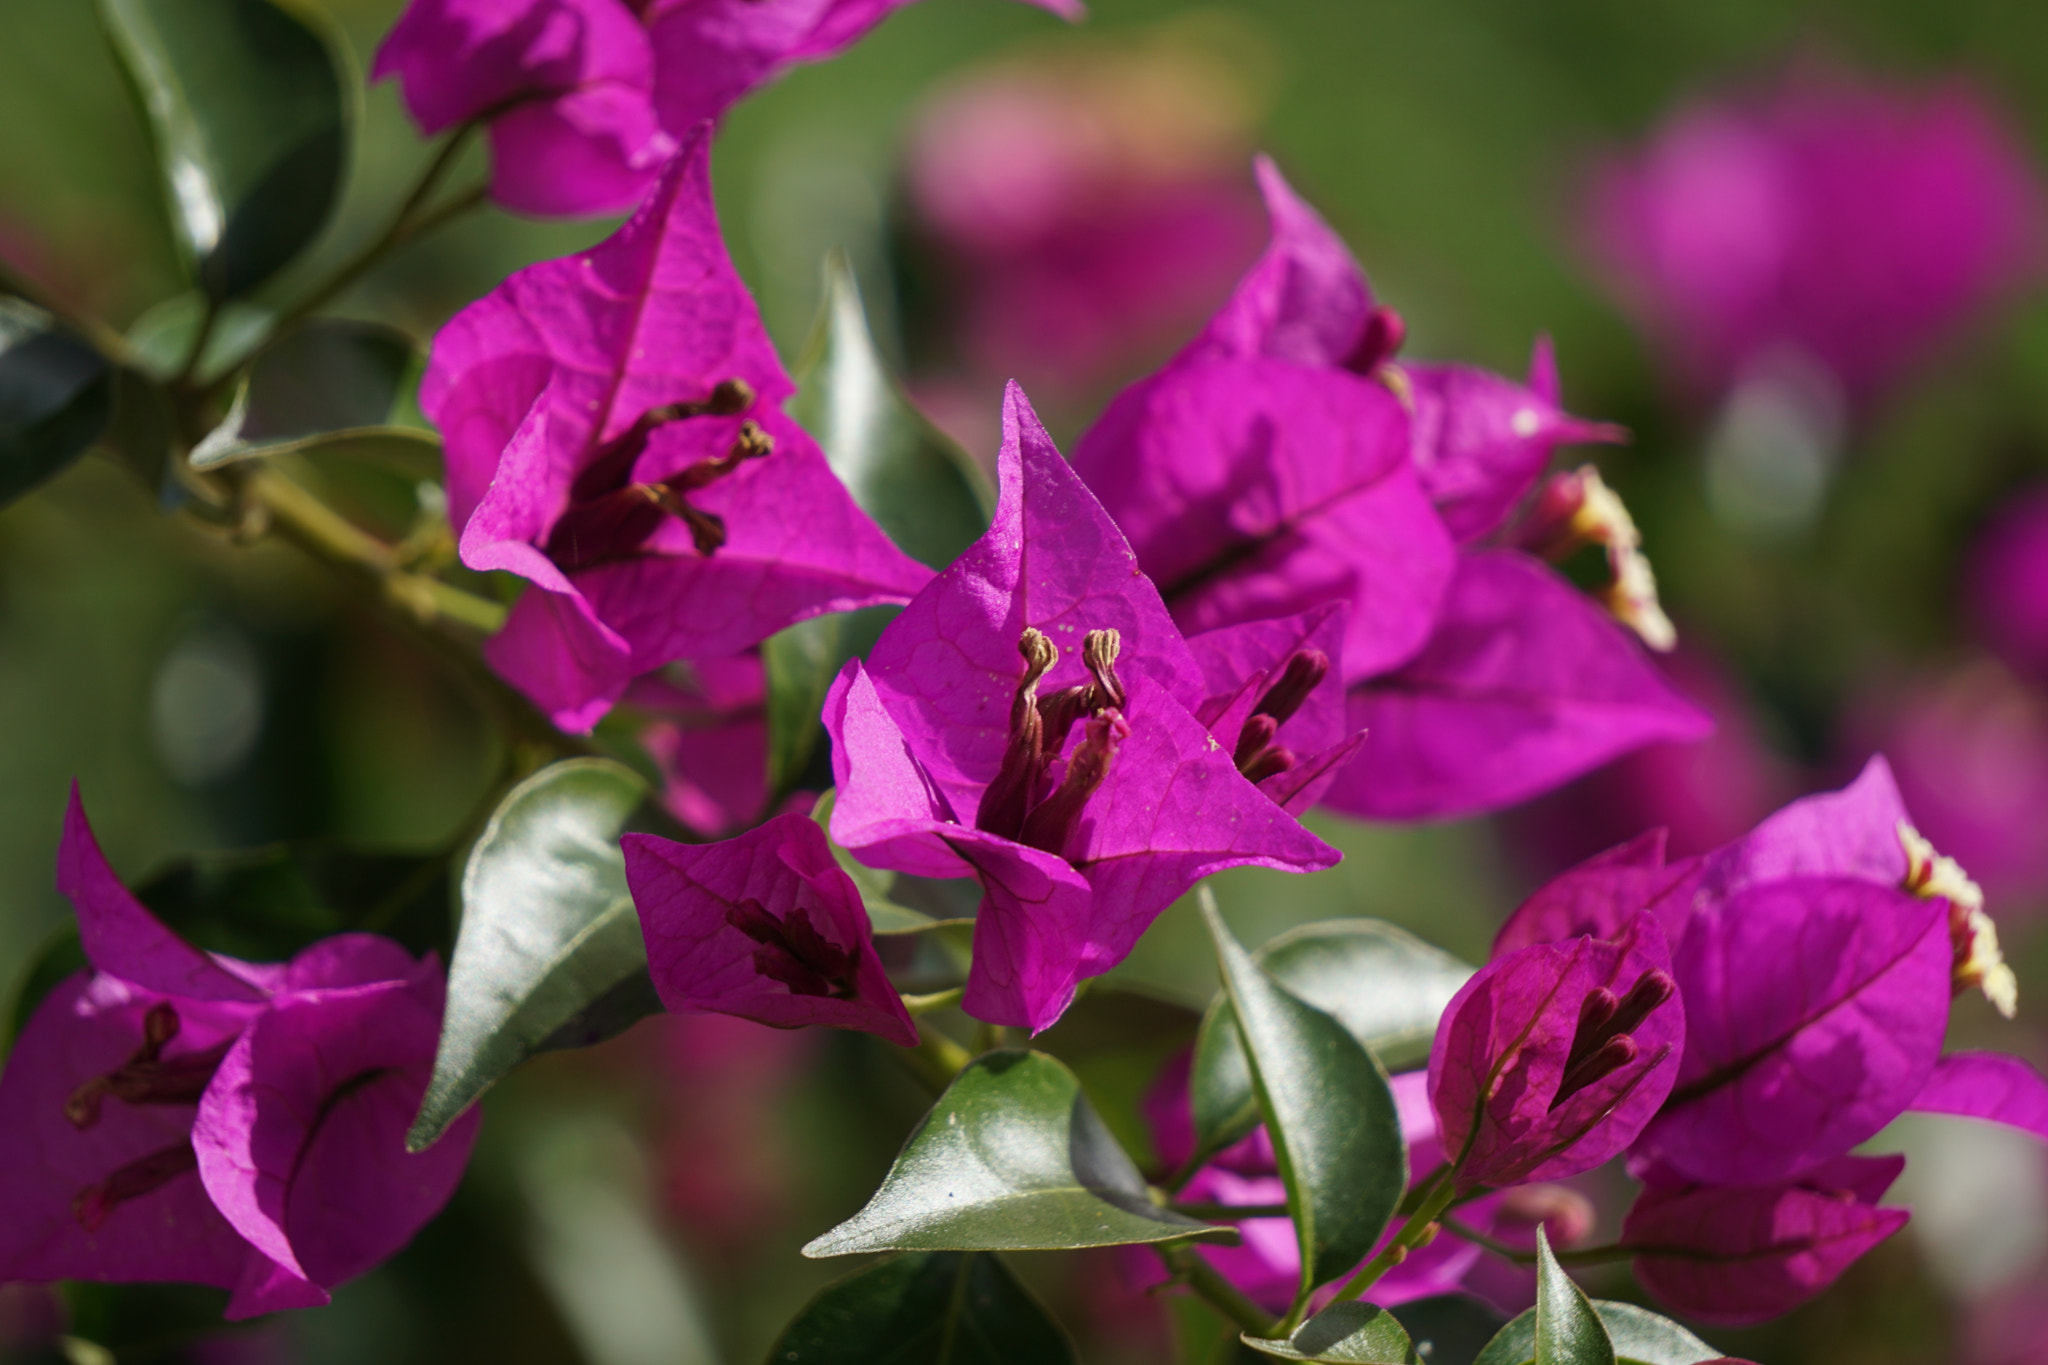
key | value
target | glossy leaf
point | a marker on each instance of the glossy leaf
(1640, 1337)
(920, 487)
(1382, 983)
(927, 1308)
(1568, 1331)
(250, 103)
(162, 336)
(548, 929)
(56, 396)
(1336, 1135)
(1011, 1158)
(1344, 1334)
(328, 383)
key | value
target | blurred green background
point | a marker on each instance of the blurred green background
(208, 695)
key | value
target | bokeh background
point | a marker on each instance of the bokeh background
(643, 1202)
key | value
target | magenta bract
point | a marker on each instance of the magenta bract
(175, 1115)
(1990, 1086)
(1601, 895)
(1029, 719)
(1747, 1253)
(1276, 701)
(766, 926)
(615, 435)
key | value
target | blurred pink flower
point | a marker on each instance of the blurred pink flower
(1859, 223)
(2006, 584)
(708, 733)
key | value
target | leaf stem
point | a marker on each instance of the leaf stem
(937, 1000)
(1220, 1294)
(1421, 1225)
(1599, 1255)
(209, 317)
(1228, 1213)
(936, 1059)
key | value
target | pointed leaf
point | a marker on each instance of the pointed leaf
(56, 396)
(324, 381)
(928, 1308)
(1384, 985)
(1336, 1135)
(1568, 1331)
(1639, 1336)
(250, 103)
(1011, 1158)
(548, 929)
(1344, 1334)
(906, 474)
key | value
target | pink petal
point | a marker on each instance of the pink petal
(1990, 1086)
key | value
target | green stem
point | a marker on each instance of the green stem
(1229, 1213)
(1220, 1294)
(1599, 1255)
(937, 1000)
(936, 1059)
(1420, 1226)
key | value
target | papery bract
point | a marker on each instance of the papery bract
(614, 434)
(1076, 782)
(708, 734)
(766, 926)
(1601, 895)
(1746, 1253)
(1276, 701)
(567, 88)
(175, 1115)
(1551, 1059)
(1991, 1086)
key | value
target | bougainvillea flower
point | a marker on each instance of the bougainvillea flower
(1747, 1253)
(766, 926)
(173, 1115)
(2006, 585)
(1858, 225)
(1029, 719)
(615, 434)
(567, 87)
(708, 734)
(1523, 685)
(1601, 895)
(1550, 1060)
(1276, 701)
(1990, 1086)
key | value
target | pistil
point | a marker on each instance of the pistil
(1601, 1042)
(132, 1181)
(147, 1077)
(793, 952)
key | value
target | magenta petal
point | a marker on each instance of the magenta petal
(86, 1027)
(555, 650)
(122, 938)
(1748, 1253)
(1235, 655)
(301, 1136)
(594, 150)
(1990, 1086)
(1601, 895)
(1498, 1068)
(1816, 1009)
(887, 810)
(698, 903)
(1850, 833)
(1524, 685)
(1033, 936)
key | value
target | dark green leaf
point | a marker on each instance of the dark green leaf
(265, 904)
(250, 104)
(1349, 1333)
(56, 395)
(1562, 1329)
(162, 337)
(326, 382)
(1336, 1136)
(799, 664)
(548, 929)
(920, 487)
(1011, 1158)
(1639, 1336)
(929, 1308)
(1449, 1329)
(140, 434)
(1386, 986)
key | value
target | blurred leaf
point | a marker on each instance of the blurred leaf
(56, 396)
(265, 904)
(1384, 985)
(547, 929)
(250, 103)
(1449, 1329)
(330, 383)
(163, 335)
(928, 1308)
(800, 663)
(58, 956)
(1011, 1158)
(920, 487)
(885, 914)
(1639, 1337)
(1349, 1333)
(140, 433)
(1336, 1136)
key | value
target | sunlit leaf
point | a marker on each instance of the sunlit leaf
(56, 396)
(1011, 1158)
(927, 1308)
(1639, 1337)
(1562, 1329)
(1344, 1334)
(1336, 1135)
(250, 103)
(548, 929)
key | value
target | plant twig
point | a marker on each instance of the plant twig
(937, 1000)
(1597, 1255)
(1220, 1294)
(936, 1059)
(1229, 1213)
(1421, 1226)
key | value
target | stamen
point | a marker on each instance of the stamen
(132, 1181)
(794, 953)
(1596, 1011)
(1601, 1043)
(145, 1078)
(1257, 733)
(1099, 650)
(1651, 990)
(1006, 801)
(1049, 826)
(612, 462)
(1268, 762)
(1610, 1057)
(616, 523)
(1304, 672)
(1378, 342)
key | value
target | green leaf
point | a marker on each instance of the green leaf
(1349, 1333)
(885, 914)
(1336, 1136)
(921, 488)
(56, 396)
(930, 1308)
(1011, 1158)
(548, 929)
(324, 383)
(1384, 985)
(162, 337)
(1562, 1329)
(1639, 1336)
(250, 103)
(140, 433)
(265, 904)
(1449, 1329)
(799, 664)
